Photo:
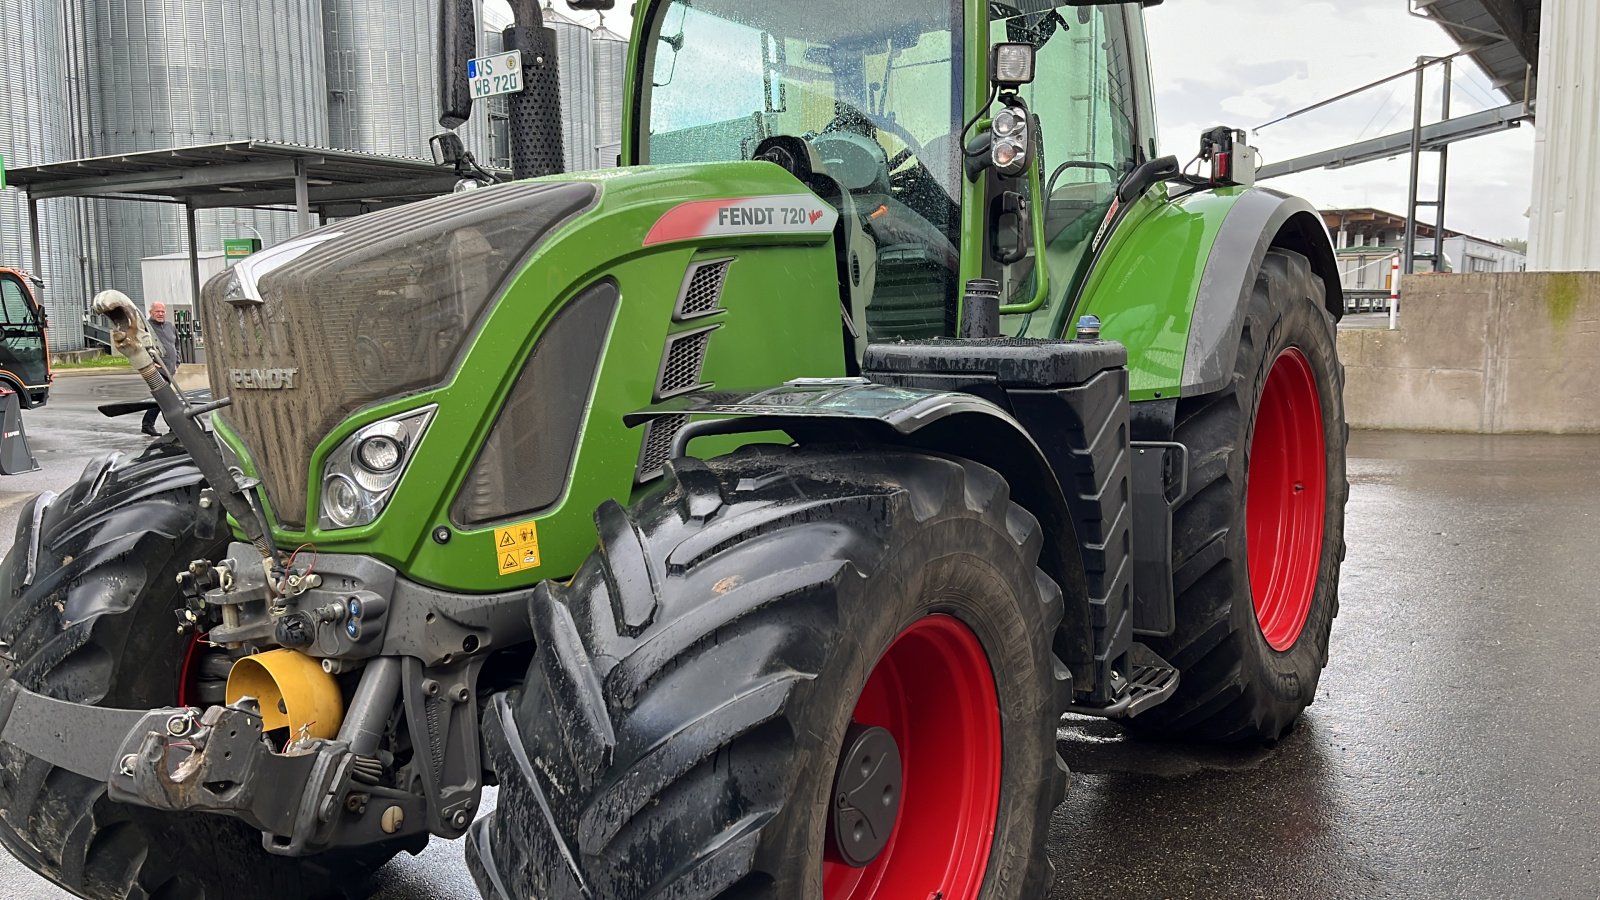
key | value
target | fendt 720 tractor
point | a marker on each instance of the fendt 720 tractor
(750, 515)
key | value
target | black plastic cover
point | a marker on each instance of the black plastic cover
(1006, 362)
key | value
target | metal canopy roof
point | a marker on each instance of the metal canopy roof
(238, 175)
(1501, 36)
(242, 174)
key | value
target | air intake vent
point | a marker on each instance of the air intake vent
(658, 437)
(702, 289)
(681, 364)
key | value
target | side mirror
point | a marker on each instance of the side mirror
(594, 5)
(447, 148)
(458, 44)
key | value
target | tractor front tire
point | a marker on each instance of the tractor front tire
(1258, 541)
(93, 620)
(741, 631)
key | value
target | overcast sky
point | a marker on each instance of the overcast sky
(1245, 62)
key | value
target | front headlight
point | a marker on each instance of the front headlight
(362, 471)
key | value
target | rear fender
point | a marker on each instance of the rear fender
(1260, 220)
(1174, 277)
(853, 410)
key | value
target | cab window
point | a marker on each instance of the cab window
(1084, 97)
(873, 91)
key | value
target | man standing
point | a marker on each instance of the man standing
(167, 343)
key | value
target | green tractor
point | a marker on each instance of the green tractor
(750, 515)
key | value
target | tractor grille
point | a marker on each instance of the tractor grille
(681, 365)
(658, 437)
(702, 289)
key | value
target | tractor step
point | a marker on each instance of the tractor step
(1150, 681)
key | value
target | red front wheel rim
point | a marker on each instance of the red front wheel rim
(935, 693)
(1286, 499)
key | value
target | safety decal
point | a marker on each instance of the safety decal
(796, 214)
(516, 547)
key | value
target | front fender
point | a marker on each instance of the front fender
(854, 410)
(1174, 280)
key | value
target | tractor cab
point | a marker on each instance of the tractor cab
(24, 349)
(885, 112)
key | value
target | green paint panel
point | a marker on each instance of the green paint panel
(1143, 289)
(772, 328)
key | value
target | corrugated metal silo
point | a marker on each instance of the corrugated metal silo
(610, 78)
(171, 73)
(382, 65)
(574, 50)
(36, 127)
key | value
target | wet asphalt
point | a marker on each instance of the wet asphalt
(1453, 751)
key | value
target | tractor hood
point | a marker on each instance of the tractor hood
(376, 307)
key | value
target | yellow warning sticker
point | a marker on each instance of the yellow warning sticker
(516, 547)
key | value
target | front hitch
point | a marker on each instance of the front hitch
(218, 761)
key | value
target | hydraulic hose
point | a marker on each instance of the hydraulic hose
(132, 339)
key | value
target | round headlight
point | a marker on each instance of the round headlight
(1005, 153)
(1006, 123)
(379, 453)
(341, 502)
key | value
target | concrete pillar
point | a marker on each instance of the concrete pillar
(1566, 163)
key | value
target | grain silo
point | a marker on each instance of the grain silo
(36, 127)
(574, 51)
(610, 54)
(382, 65)
(174, 73)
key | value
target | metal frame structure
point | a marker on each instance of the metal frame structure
(237, 175)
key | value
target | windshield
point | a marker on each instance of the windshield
(873, 90)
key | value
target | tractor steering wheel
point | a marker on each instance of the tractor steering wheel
(913, 148)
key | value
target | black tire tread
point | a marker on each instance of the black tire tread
(1220, 697)
(624, 635)
(112, 543)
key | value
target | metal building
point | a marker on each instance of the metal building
(1566, 180)
(174, 74)
(573, 51)
(36, 127)
(382, 78)
(610, 53)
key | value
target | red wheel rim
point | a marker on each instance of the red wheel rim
(1285, 500)
(933, 690)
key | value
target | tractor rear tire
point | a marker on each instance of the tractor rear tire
(1258, 541)
(695, 684)
(96, 623)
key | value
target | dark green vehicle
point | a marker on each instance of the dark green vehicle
(750, 515)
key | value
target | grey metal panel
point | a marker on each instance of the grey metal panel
(1565, 220)
(610, 54)
(574, 51)
(382, 59)
(36, 127)
(171, 73)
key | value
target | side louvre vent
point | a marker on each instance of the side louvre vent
(702, 289)
(658, 437)
(682, 363)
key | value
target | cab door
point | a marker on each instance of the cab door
(1093, 130)
(24, 355)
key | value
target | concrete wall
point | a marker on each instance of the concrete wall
(1489, 353)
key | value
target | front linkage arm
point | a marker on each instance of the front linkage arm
(181, 759)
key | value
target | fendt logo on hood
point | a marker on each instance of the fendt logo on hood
(263, 379)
